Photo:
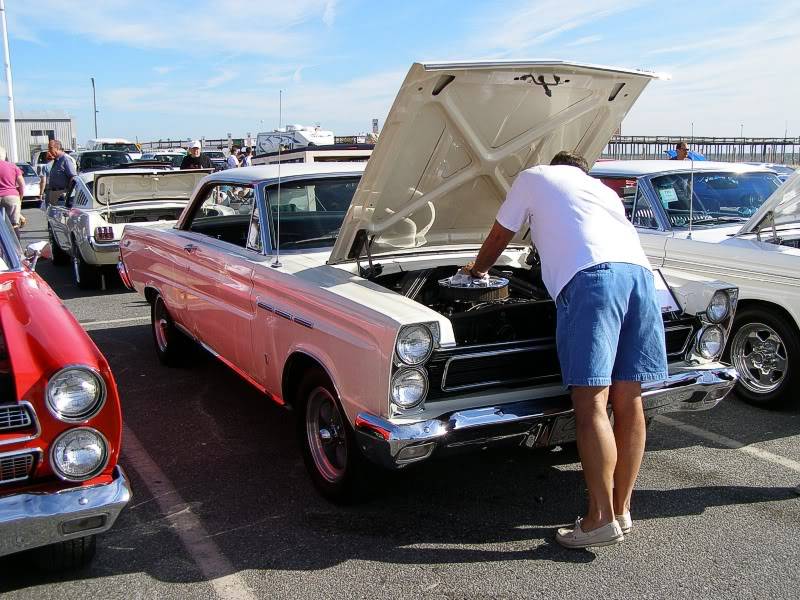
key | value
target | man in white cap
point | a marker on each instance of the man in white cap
(195, 159)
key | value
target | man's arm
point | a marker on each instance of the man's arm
(21, 187)
(69, 168)
(491, 249)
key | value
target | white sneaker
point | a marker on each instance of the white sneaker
(575, 537)
(625, 522)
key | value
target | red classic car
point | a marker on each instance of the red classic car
(60, 420)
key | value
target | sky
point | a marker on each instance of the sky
(182, 70)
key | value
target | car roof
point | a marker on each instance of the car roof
(637, 168)
(263, 172)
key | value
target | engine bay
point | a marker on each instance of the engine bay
(520, 309)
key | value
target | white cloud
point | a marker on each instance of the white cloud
(584, 41)
(222, 76)
(206, 28)
(163, 70)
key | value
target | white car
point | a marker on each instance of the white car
(85, 226)
(32, 181)
(331, 292)
(741, 226)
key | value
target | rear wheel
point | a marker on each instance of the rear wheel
(67, 555)
(332, 458)
(172, 346)
(765, 350)
(84, 275)
(59, 256)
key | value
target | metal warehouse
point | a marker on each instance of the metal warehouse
(34, 130)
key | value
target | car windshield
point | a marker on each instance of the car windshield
(310, 212)
(214, 153)
(102, 160)
(27, 170)
(718, 197)
(121, 146)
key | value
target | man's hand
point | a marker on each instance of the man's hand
(469, 269)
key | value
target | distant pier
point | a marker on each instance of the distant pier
(730, 149)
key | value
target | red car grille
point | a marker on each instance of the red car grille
(16, 468)
(14, 417)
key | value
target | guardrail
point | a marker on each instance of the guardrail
(730, 149)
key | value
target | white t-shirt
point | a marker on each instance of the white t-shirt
(576, 221)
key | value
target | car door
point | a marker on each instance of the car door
(58, 215)
(217, 260)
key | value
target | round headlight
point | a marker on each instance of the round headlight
(75, 393)
(414, 344)
(719, 308)
(79, 454)
(409, 387)
(711, 342)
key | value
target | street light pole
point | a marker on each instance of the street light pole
(12, 123)
(94, 104)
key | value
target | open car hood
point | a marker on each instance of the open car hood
(459, 133)
(117, 188)
(783, 206)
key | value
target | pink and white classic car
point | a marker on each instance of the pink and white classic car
(331, 296)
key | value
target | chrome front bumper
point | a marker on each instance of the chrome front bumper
(38, 519)
(541, 422)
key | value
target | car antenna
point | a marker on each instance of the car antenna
(276, 264)
(691, 197)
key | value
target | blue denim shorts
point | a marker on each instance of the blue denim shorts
(610, 327)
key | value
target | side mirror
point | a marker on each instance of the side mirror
(36, 250)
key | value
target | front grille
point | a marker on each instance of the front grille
(677, 336)
(481, 366)
(17, 467)
(14, 417)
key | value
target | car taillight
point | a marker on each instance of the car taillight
(104, 234)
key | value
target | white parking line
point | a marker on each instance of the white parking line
(112, 321)
(731, 443)
(219, 572)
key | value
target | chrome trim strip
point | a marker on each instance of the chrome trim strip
(452, 359)
(266, 307)
(303, 322)
(284, 314)
(26, 438)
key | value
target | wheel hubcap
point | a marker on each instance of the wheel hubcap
(759, 355)
(327, 439)
(161, 328)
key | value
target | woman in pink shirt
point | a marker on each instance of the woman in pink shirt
(12, 189)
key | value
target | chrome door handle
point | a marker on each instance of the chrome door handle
(190, 248)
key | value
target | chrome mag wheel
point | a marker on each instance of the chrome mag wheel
(327, 437)
(759, 354)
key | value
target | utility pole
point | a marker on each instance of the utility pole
(94, 104)
(12, 123)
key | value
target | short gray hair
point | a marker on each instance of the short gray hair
(3, 153)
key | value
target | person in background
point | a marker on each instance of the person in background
(609, 330)
(44, 176)
(195, 159)
(233, 158)
(61, 172)
(247, 157)
(682, 151)
(12, 190)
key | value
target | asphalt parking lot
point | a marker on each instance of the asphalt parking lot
(222, 505)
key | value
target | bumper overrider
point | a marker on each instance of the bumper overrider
(535, 423)
(31, 520)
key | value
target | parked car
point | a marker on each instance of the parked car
(731, 237)
(86, 225)
(782, 171)
(330, 294)
(32, 181)
(60, 421)
(98, 160)
(119, 144)
(217, 158)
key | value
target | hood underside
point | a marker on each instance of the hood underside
(458, 134)
(136, 187)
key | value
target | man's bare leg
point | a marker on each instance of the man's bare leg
(630, 434)
(598, 452)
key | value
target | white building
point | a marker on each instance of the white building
(34, 130)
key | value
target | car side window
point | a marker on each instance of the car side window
(642, 214)
(223, 212)
(254, 241)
